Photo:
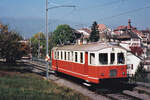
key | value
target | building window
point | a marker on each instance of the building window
(92, 58)
(121, 59)
(148, 68)
(103, 58)
(81, 57)
(76, 57)
(112, 58)
(65, 56)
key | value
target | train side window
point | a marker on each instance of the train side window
(121, 59)
(81, 57)
(57, 54)
(92, 58)
(68, 56)
(65, 56)
(112, 58)
(103, 58)
(76, 56)
(61, 55)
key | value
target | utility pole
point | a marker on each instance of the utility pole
(47, 38)
(47, 53)
(39, 37)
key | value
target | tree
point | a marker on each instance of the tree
(10, 47)
(136, 50)
(63, 34)
(38, 42)
(94, 36)
(141, 74)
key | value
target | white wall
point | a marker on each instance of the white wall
(147, 67)
(132, 59)
(125, 45)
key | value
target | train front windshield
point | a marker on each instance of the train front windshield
(121, 59)
(111, 58)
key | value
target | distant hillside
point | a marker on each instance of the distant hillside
(27, 27)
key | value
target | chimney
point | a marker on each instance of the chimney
(129, 24)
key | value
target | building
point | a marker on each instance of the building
(130, 38)
(146, 37)
(133, 62)
(84, 35)
(146, 64)
(104, 32)
(121, 29)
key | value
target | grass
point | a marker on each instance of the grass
(15, 85)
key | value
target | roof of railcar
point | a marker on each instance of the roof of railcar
(87, 47)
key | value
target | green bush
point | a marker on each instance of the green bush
(141, 75)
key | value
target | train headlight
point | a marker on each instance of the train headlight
(102, 74)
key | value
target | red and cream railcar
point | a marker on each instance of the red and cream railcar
(91, 62)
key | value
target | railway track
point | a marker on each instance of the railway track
(116, 92)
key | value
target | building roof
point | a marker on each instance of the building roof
(128, 34)
(88, 47)
(128, 27)
(101, 27)
(85, 32)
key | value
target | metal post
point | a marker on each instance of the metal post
(47, 38)
(47, 54)
(39, 46)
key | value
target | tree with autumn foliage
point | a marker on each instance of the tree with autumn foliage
(38, 42)
(10, 47)
(136, 50)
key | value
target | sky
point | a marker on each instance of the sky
(110, 12)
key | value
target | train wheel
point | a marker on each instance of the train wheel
(57, 73)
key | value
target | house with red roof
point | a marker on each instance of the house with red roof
(129, 37)
(104, 32)
(121, 28)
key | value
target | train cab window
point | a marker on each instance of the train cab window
(81, 57)
(103, 58)
(121, 59)
(65, 56)
(76, 57)
(112, 58)
(92, 58)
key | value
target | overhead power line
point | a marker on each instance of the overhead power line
(104, 4)
(62, 6)
(110, 3)
(127, 12)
